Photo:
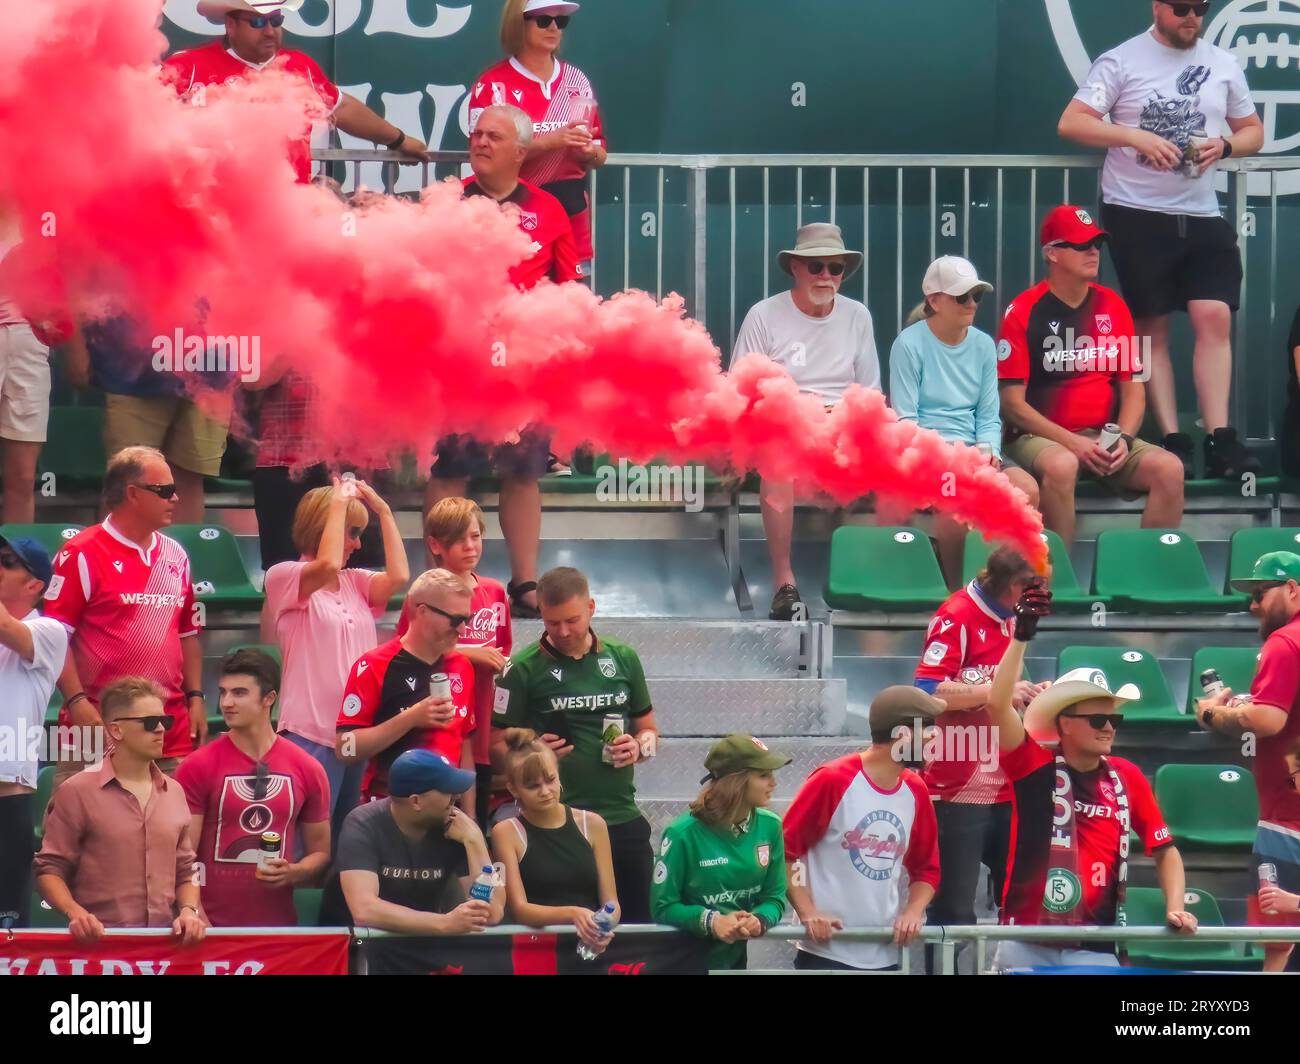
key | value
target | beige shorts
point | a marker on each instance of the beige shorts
(187, 437)
(1026, 449)
(24, 385)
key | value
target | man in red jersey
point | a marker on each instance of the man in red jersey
(1073, 807)
(387, 704)
(123, 592)
(253, 41)
(1069, 363)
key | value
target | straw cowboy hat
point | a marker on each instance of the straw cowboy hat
(216, 10)
(818, 240)
(1075, 686)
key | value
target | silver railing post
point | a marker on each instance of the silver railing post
(697, 205)
(1239, 198)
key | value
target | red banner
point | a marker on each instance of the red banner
(28, 953)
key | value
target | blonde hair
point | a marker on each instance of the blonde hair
(722, 801)
(124, 692)
(528, 759)
(449, 519)
(920, 312)
(437, 582)
(512, 27)
(312, 513)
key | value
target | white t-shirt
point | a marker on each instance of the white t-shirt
(823, 355)
(26, 687)
(1173, 93)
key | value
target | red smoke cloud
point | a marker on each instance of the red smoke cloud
(401, 312)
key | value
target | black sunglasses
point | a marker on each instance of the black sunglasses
(456, 619)
(544, 21)
(1098, 720)
(260, 22)
(815, 268)
(163, 491)
(261, 781)
(1089, 245)
(1183, 10)
(976, 294)
(1257, 596)
(150, 723)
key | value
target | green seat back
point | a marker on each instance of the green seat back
(1208, 807)
(1156, 571)
(1236, 667)
(1246, 547)
(306, 903)
(1145, 907)
(43, 915)
(1066, 590)
(1130, 665)
(44, 788)
(50, 536)
(216, 566)
(74, 445)
(883, 569)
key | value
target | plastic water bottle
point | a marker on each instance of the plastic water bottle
(482, 888)
(605, 921)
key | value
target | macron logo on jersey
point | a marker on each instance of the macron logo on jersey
(139, 598)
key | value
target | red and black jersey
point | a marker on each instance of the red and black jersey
(1070, 359)
(543, 219)
(386, 681)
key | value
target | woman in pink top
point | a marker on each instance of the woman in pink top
(322, 615)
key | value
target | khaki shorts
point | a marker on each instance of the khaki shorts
(24, 385)
(1024, 450)
(187, 437)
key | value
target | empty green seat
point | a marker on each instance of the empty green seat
(1067, 595)
(306, 903)
(1130, 665)
(1209, 807)
(1236, 667)
(216, 566)
(1248, 545)
(74, 445)
(1145, 907)
(883, 569)
(44, 788)
(52, 536)
(44, 915)
(1152, 570)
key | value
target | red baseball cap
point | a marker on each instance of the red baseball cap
(1067, 224)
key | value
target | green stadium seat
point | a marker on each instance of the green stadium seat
(52, 536)
(883, 569)
(43, 915)
(74, 446)
(216, 566)
(1067, 595)
(306, 903)
(44, 789)
(1145, 907)
(1209, 807)
(1246, 547)
(1152, 570)
(1124, 665)
(1236, 667)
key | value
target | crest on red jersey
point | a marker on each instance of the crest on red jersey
(527, 221)
(1104, 324)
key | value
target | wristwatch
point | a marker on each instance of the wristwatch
(396, 143)
(1227, 148)
(195, 694)
(1207, 717)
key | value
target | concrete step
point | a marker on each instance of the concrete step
(676, 772)
(707, 708)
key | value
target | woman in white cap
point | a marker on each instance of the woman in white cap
(1073, 870)
(568, 137)
(943, 374)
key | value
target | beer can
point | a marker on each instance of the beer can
(439, 686)
(1267, 873)
(268, 850)
(610, 729)
(1211, 682)
(1109, 436)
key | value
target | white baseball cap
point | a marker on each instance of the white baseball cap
(557, 7)
(953, 276)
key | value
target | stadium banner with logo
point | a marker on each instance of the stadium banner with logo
(665, 953)
(46, 953)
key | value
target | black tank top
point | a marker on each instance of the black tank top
(559, 866)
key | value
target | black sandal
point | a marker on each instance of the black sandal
(518, 607)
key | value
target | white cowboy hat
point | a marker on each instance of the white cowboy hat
(216, 10)
(817, 240)
(556, 7)
(1075, 686)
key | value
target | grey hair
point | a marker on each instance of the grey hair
(125, 468)
(439, 582)
(522, 123)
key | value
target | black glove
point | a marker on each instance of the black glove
(1033, 606)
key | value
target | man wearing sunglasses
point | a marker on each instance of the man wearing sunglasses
(122, 590)
(1073, 806)
(254, 41)
(1069, 363)
(1177, 105)
(1270, 717)
(825, 341)
(32, 650)
(117, 851)
(388, 706)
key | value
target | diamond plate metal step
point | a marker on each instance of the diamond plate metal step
(680, 648)
(696, 707)
(675, 773)
(661, 812)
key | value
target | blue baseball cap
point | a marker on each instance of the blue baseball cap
(417, 771)
(33, 556)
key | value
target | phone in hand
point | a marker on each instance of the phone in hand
(556, 724)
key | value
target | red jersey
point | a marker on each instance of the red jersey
(1032, 771)
(126, 610)
(1277, 683)
(1070, 359)
(214, 64)
(386, 681)
(488, 626)
(543, 219)
(566, 98)
(221, 786)
(963, 644)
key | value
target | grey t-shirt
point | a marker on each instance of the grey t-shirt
(420, 874)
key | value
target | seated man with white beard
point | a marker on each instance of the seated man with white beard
(825, 341)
